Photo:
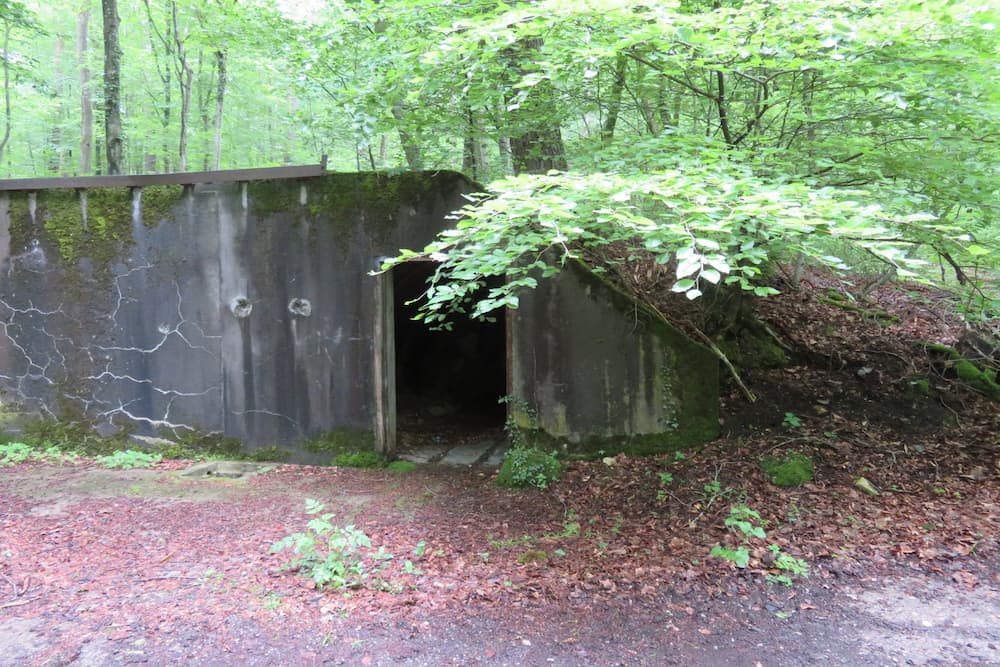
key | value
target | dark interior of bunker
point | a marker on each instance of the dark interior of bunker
(448, 382)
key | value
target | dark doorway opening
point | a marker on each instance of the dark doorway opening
(448, 383)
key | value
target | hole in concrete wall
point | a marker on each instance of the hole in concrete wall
(448, 383)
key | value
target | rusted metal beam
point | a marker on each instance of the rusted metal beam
(187, 178)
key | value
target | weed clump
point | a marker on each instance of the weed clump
(401, 467)
(533, 556)
(529, 466)
(128, 459)
(794, 469)
(357, 460)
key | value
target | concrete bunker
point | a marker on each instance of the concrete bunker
(245, 304)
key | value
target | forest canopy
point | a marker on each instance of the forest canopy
(715, 135)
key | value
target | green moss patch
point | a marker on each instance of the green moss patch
(794, 469)
(533, 556)
(979, 378)
(357, 460)
(341, 440)
(103, 237)
(401, 467)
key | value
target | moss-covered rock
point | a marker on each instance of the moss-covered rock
(982, 379)
(794, 469)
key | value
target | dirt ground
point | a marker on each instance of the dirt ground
(609, 566)
(142, 566)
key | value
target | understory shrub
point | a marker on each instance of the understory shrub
(529, 466)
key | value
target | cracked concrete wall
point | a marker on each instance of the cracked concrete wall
(241, 309)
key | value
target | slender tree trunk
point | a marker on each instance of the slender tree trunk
(615, 101)
(86, 100)
(112, 86)
(7, 27)
(411, 148)
(163, 70)
(220, 97)
(471, 153)
(204, 93)
(185, 76)
(289, 147)
(55, 148)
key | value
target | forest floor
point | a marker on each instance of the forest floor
(609, 566)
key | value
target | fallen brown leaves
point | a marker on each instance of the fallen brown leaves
(611, 530)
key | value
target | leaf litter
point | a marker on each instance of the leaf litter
(152, 570)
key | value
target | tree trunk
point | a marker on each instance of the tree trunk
(538, 150)
(220, 96)
(165, 40)
(112, 86)
(537, 146)
(7, 27)
(54, 151)
(615, 103)
(411, 148)
(185, 76)
(86, 100)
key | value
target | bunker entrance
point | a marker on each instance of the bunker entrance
(448, 383)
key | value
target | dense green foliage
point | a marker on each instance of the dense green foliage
(717, 135)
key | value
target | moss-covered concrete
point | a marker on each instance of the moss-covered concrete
(104, 237)
(340, 440)
(595, 371)
(343, 200)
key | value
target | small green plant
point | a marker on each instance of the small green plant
(794, 469)
(666, 479)
(748, 525)
(335, 556)
(12, 453)
(529, 466)
(740, 556)
(791, 421)
(128, 459)
(420, 549)
(789, 566)
(271, 601)
(746, 522)
(401, 467)
(363, 459)
(712, 492)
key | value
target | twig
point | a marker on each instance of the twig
(18, 603)
(719, 353)
(725, 360)
(24, 588)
